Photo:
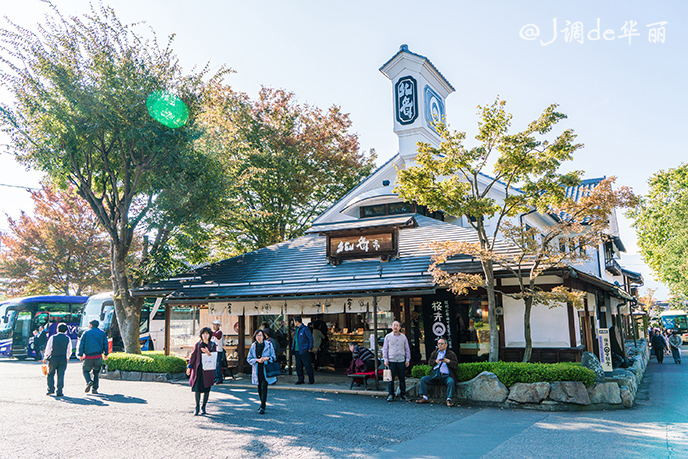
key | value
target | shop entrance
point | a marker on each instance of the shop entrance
(473, 329)
(409, 312)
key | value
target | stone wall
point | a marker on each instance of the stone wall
(615, 390)
(142, 376)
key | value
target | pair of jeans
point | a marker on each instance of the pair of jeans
(262, 386)
(437, 378)
(398, 372)
(659, 353)
(218, 368)
(303, 361)
(92, 366)
(58, 366)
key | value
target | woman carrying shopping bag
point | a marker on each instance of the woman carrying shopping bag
(264, 365)
(201, 368)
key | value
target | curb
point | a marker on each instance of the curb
(326, 390)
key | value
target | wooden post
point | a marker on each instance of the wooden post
(572, 326)
(241, 345)
(377, 380)
(289, 344)
(168, 338)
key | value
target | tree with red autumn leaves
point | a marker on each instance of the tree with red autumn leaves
(61, 248)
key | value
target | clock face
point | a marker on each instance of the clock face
(434, 107)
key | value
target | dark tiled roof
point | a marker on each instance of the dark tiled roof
(300, 267)
(404, 49)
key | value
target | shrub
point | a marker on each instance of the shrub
(513, 372)
(418, 371)
(149, 362)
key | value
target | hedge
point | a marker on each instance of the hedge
(148, 361)
(510, 373)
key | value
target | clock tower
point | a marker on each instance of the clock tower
(419, 93)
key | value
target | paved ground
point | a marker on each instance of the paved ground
(155, 420)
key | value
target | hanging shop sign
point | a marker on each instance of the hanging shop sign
(221, 308)
(605, 346)
(371, 245)
(301, 306)
(438, 314)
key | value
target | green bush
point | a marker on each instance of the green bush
(418, 371)
(513, 372)
(149, 362)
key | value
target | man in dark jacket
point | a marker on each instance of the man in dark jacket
(302, 345)
(659, 345)
(444, 363)
(58, 350)
(92, 346)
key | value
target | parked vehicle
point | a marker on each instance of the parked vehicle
(21, 317)
(101, 307)
(675, 320)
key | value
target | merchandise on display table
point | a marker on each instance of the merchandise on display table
(339, 341)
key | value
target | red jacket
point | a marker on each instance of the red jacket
(195, 365)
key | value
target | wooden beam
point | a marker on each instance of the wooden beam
(572, 322)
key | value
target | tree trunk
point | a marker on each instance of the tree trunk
(491, 310)
(528, 351)
(127, 311)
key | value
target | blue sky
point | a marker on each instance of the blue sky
(626, 101)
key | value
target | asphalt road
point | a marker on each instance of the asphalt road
(155, 420)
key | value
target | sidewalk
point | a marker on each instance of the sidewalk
(324, 383)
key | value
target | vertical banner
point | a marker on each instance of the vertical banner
(605, 349)
(438, 320)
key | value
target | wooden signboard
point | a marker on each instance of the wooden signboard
(371, 245)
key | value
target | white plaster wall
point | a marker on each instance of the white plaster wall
(549, 326)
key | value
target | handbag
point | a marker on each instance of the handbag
(272, 369)
(208, 362)
(387, 375)
(44, 369)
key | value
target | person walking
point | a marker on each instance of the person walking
(302, 345)
(58, 350)
(397, 356)
(201, 370)
(92, 346)
(675, 342)
(219, 339)
(41, 341)
(318, 341)
(262, 351)
(659, 345)
(444, 363)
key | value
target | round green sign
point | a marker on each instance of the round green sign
(167, 109)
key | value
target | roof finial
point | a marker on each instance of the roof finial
(403, 47)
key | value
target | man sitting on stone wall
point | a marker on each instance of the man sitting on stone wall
(444, 363)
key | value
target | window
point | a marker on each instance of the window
(400, 208)
(397, 208)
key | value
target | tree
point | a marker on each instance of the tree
(452, 178)
(579, 225)
(286, 163)
(660, 223)
(61, 248)
(82, 88)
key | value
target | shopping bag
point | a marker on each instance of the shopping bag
(44, 369)
(387, 375)
(272, 369)
(208, 362)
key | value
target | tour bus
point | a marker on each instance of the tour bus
(675, 320)
(101, 307)
(20, 318)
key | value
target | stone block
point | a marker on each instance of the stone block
(529, 392)
(590, 360)
(627, 398)
(485, 387)
(131, 375)
(569, 392)
(607, 392)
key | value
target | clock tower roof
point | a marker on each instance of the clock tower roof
(387, 67)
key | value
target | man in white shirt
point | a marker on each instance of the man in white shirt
(58, 350)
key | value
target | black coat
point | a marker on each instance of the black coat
(658, 342)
